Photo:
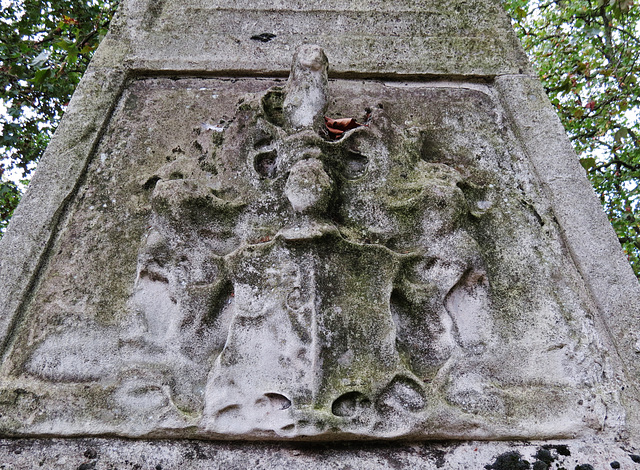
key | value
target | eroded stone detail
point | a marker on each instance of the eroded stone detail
(329, 325)
(289, 285)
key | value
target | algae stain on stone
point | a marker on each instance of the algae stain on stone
(291, 286)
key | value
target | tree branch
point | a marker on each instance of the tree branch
(618, 163)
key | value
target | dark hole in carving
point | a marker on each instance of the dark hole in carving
(176, 175)
(431, 150)
(350, 404)
(355, 165)
(265, 164)
(264, 37)
(261, 138)
(393, 243)
(220, 297)
(278, 401)
(262, 141)
(151, 182)
(272, 104)
(231, 409)
(400, 312)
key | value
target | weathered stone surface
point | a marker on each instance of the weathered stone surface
(99, 454)
(363, 37)
(210, 261)
(407, 296)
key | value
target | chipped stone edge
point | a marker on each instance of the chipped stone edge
(596, 252)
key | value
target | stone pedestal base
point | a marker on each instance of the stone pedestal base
(98, 454)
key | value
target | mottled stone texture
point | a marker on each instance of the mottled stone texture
(202, 255)
(107, 454)
(408, 293)
(361, 37)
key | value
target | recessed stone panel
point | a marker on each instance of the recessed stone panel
(224, 271)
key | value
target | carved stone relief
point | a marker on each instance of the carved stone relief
(325, 319)
(390, 282)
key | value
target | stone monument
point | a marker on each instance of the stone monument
(314, 235)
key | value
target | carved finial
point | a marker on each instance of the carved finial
(306, 93)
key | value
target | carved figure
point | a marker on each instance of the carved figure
(301, 269)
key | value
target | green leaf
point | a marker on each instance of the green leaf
(40, 76)
(588, 163)
(621, 134)
(65, 44)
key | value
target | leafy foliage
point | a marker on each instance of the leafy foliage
(45, 48)
(587, 53)
(9, 198)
